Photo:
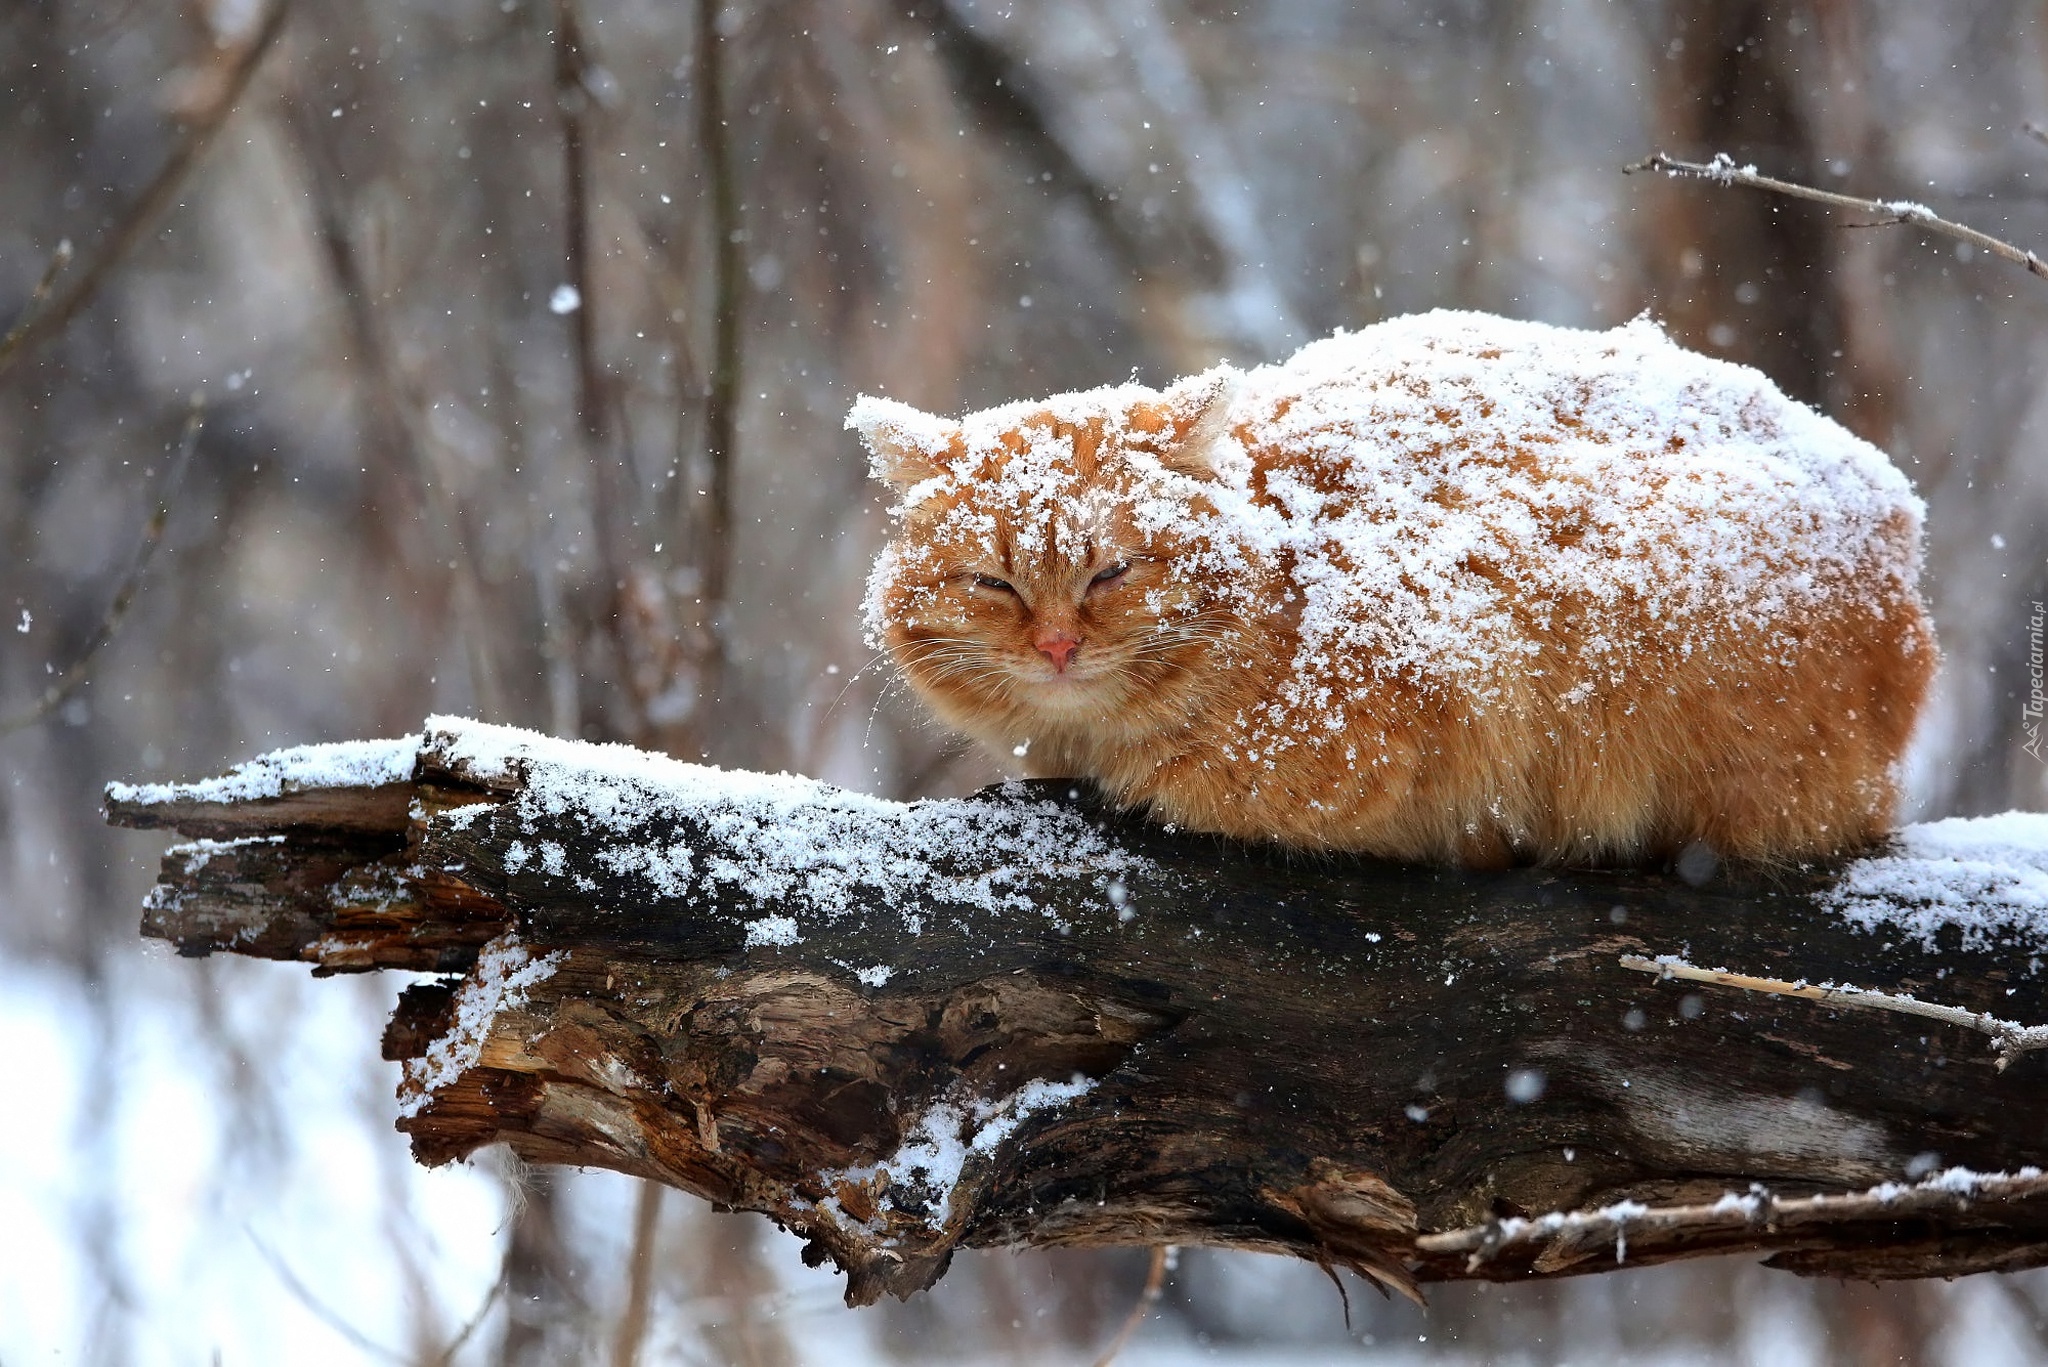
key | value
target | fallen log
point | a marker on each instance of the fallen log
(1024, 1019)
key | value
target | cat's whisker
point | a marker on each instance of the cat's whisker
(851, 680)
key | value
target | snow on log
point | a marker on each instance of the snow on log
(1021, 1019)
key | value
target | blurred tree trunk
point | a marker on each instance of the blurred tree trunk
(542, 1306)
(1865, 1323)
(1866, 376)
(1741, 276)
(1766, 281)
(739, 1291)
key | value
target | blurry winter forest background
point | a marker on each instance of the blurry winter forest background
(524, 329)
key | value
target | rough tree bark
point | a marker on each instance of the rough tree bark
(1020, 1019)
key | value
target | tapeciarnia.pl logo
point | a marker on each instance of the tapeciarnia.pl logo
(2030, 714)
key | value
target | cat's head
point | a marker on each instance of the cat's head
(1047, 576)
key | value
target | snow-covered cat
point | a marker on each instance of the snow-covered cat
(1451, 588)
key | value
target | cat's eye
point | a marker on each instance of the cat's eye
(1109, 576)
(989, 581)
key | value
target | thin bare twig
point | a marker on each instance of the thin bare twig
(610, 491)
(30, 311)
(393, 405)
(1003, 95)
(572, 102)
(2035, 131)
(67, 683)
(1155, 1282)
(2008, 1038)
(721, 403)
(320, 1310)
(1722, 170)
(632, 1326)
(1739, 1210)
(475, 1322)
(149, 206)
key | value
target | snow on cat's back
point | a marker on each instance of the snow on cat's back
(1452, 587)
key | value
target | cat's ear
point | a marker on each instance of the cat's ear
(905, 446)
(1198, 408)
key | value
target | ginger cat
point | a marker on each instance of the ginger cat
(1452, 588)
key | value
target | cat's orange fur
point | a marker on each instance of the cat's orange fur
(1736, 657)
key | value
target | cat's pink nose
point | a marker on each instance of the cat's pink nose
(1058, 647)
